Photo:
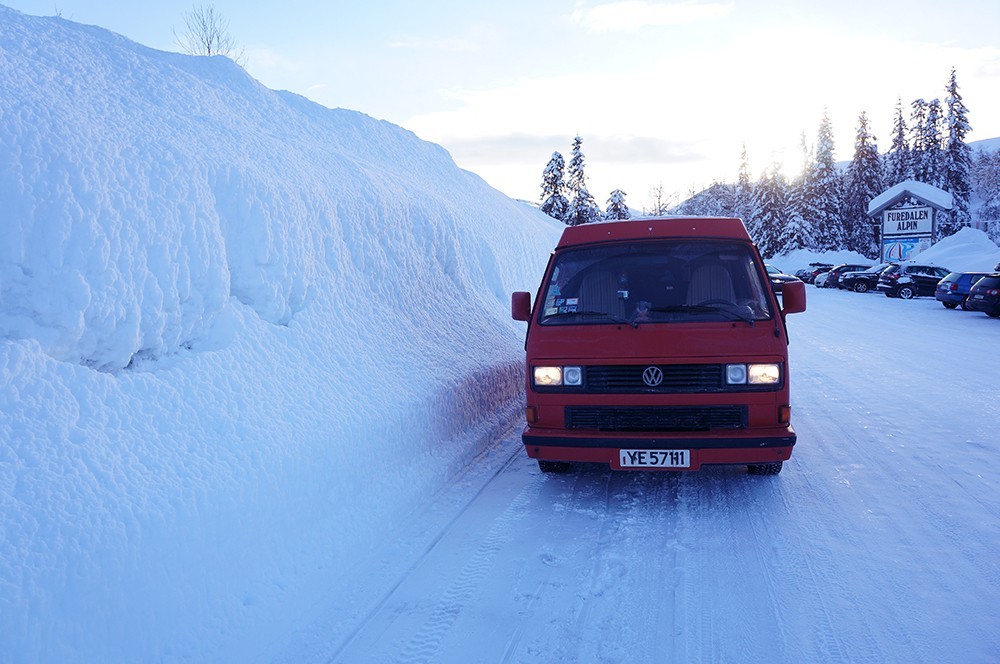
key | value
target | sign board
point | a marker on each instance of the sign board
(899, 249)
(909, 222)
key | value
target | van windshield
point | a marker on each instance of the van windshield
(655, 282)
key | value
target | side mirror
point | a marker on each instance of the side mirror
(520, 306)
(793, 297)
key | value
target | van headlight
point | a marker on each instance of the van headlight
(753, 374)
(555, 376)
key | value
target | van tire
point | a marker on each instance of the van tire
(553, 466)
(764, 468)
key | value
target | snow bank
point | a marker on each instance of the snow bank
(968, 250)
(240, 336)
(800, 259)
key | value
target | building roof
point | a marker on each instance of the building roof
(939, 199)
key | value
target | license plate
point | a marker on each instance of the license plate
(978, 296)
(654, 458)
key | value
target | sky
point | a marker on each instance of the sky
(662, 93)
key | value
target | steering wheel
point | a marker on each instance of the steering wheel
(705, 303)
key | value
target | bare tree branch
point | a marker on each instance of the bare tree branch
(207, 33)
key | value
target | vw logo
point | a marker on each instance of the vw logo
(652, 376)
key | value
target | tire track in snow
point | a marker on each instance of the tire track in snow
(623, 607)
(381, 604)
(423, 646)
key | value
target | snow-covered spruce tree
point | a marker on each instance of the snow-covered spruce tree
(898, 167)
(928, 162)
(771, 205)
(918, 118)
(617, 208)
(743, 194)
(797, 233)
(957, 162)
(986, 181)
(554, 203)
(822, 194)
(583, 208)
(864, 182)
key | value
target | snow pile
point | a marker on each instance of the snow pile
(800, 259)
(240, 336)
(968, 250)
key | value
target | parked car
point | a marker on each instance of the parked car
(908, 280)
(815, 269)
(819, 281)
(834, 274)
(864, 281)
(777, 277)
(985, 295)
(953, 290)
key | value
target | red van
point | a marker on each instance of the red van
(658, 344)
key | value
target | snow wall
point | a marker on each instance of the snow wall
(237, 331)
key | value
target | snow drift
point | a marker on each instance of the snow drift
(232, 323)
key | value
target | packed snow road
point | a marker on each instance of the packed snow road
(879, 541)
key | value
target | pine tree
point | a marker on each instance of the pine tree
(928, 163)
(986, 178)
(933, 144)
(796, 234)
(863, 183)
(957, 162)
(743, 197)
(617, 208)
(822, 194)
(898, 160)
(771, 205)
(582, 207)
(554, 203)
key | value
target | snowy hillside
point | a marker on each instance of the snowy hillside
(233, 323)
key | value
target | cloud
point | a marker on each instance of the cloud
(519, 148)
(633, 15)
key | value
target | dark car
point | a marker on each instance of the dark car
(985, 295)
(814, 270)
(777, 277)
(835, 272)
(908, 280)
(864, 281)
(953, 290)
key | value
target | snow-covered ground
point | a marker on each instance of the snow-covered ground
(879, 542)
(259, 398)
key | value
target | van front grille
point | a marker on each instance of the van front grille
(676, 378)
(655, 418)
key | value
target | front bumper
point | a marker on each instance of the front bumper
(745, 447)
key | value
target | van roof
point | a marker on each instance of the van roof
(654, 227)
